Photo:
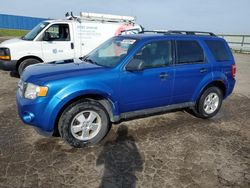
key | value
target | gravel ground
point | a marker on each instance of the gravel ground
(172, 150)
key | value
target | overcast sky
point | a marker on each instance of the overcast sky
(219, 16)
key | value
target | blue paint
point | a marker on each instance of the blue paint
(125, 90)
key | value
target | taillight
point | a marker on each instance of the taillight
(234, 70)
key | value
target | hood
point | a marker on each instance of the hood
(44, 72)
(9, 42)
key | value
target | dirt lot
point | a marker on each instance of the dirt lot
(172, 150)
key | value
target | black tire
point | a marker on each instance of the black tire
(68, 116)
(199, 111)
(25, 63)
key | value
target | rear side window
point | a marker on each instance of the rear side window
(218, 50)
(189, 52)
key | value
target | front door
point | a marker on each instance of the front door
(152, 86)
(58, 43)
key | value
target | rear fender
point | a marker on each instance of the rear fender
(215, 76)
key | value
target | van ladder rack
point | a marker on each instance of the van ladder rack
(106, 17)
(100, 17)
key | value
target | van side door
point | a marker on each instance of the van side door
(58, 42)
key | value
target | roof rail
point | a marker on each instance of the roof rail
(169, 32)
(190, 32)
(154, 31)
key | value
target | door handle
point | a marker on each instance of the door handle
(202, 70)
(72, 45)
(163, 75)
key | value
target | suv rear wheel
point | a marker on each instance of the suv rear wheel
(84, 123)
(209, 103)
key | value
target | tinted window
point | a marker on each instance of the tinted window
(189, 52)
(58, 32)
(155, 54)
(218, 50)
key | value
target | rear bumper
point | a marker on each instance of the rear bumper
(8, 65)
(230, 88)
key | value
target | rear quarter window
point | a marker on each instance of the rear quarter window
(218, 49)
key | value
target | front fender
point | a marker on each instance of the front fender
(60, 99)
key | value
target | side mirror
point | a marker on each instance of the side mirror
(46, 36)
(135, 65)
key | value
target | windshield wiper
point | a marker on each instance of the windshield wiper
(83, 58)
(87, 59)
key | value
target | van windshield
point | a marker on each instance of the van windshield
(111, 52)
(35, 31)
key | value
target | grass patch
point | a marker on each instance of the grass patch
(12, 33)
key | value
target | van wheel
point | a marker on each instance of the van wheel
(208, 104)
(84, 123)
(25, 63)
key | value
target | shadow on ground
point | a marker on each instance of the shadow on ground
(121, 159)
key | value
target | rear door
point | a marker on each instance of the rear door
(191, 67)
(60, 43)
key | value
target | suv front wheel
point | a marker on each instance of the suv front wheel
(84, 123)
(209, 103)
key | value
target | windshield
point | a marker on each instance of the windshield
(35, 31)
(111, 52)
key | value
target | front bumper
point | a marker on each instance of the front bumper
(33, 112)
(8, 65)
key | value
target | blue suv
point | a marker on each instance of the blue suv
(127, 77)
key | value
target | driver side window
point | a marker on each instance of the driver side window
(57, 32)
(155, 54)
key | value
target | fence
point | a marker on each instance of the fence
(18, 22)
(240, 43)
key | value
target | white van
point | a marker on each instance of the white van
(69, 38)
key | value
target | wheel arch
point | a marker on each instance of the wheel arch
(27, 57)
(216, 83)
(107, 103)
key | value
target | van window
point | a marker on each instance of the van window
(218, 50)
(58, 32)
(155, 54)
(189, 52)
(35, 31)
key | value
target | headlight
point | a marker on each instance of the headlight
(5, 54)
(33, 91)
